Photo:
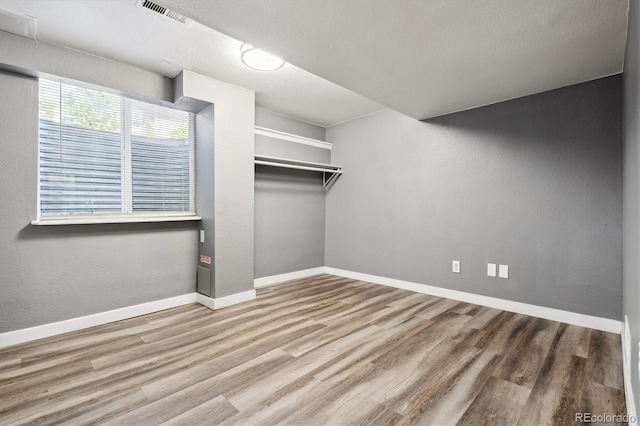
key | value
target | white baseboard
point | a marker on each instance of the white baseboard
(55, 328)
(597, 323)
(222, 302)
(52, 329)
(277, 279)
(626, 372)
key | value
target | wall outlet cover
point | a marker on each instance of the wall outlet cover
(455, 266)
(503, 271)
(491, 269)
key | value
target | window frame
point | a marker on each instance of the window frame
(127, 215)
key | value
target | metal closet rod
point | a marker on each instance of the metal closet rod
(296, 164)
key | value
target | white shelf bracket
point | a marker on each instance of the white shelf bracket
(326, 182)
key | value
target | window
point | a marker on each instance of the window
(103, 154)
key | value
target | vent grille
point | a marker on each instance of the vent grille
(174, 16)
(155, 7)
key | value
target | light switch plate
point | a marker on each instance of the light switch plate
(503, 271)
(455, 266)
(491, 269)
(202, 235)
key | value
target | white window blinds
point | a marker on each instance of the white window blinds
(103, 154)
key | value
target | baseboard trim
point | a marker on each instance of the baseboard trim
(626, 372)
(596, 323)
(47, 330)
(278, 279)
(223, 302)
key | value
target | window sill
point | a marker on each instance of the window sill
(90, 220)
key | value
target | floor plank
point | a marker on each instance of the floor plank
(529, 349)
(210, 413)
(599, 399)
(556, 395)
(605, 359)
(499, 403)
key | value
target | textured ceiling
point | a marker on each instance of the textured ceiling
(421, 57)
(119, 30)
(427, 58)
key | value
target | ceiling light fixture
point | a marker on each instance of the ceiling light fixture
(259, 59)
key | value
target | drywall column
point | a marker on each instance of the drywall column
(224, 191)
(205, 199)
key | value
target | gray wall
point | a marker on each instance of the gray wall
(535, 183)
(282, 123)
(274, 147)
(631, 260)
(53, 273)
(289, 204)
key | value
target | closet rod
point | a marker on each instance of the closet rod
(281, 160)
(287, 163)
(299, 167)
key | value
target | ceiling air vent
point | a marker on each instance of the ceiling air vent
(170, 14)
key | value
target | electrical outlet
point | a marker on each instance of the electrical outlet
(503, 271)
(491, 269)
(455, 266)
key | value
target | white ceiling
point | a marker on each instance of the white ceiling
(430, 57)
(119, 30)
(421, 57)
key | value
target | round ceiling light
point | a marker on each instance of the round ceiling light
(259, 59)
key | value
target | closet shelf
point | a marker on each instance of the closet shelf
(329, 172)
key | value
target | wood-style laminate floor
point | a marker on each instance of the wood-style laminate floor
(318, 351)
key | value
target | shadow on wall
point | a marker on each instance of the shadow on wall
(289, 220)
(31, 232)
(277, 174)
(527, 119)
(561, 141)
